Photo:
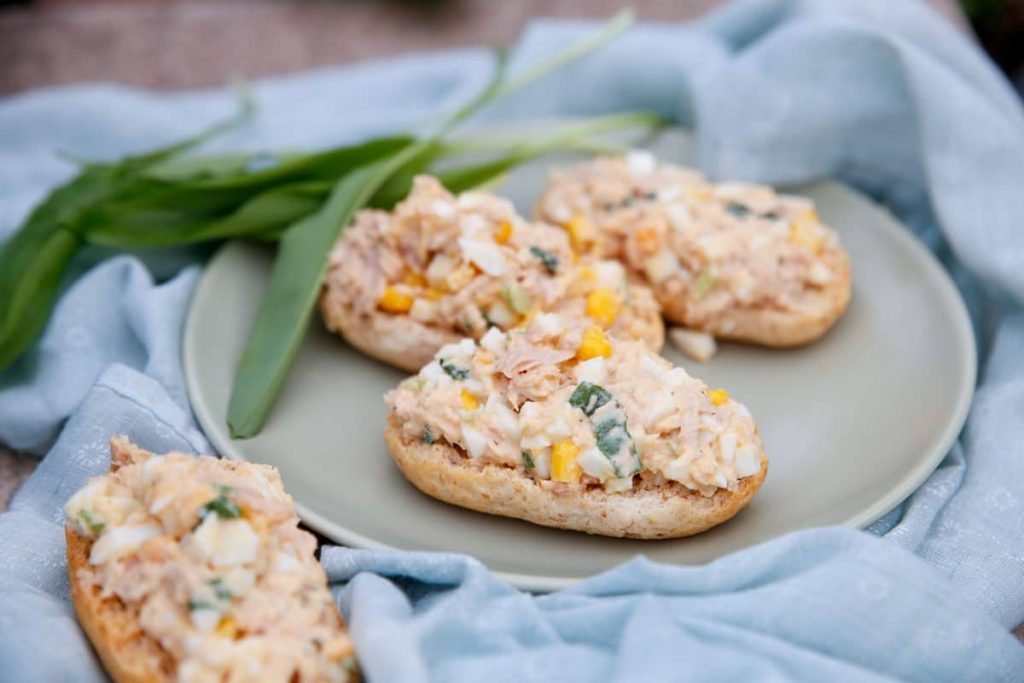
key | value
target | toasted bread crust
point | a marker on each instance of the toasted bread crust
(128, 654)
(404, 343)
(670, 511)
(768, 327)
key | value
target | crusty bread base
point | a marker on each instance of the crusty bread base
(397, 340)
(408, 344)
(768, 327)
(671, 511)
(128, 654)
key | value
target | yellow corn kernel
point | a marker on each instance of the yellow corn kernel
(433, 294)
(563, 462)
(469, 401)
(581, 232)
(603, 306)
(504, 232)
(394, 301)
(806, 234)
(414, 279)
(227, 628)
(594, 344)
(718, 396)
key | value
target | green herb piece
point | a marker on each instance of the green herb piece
(528, 461)
(467, 326)
(549, 260)
(454, 371)
(224, 507)
(771, 215)
(516, 298)
(737, 209)
(703, 284)
(195, 604)
(610, 435)
(350, 663)
(95, 527)
(428, 435)
(588, 397)
(220, 589)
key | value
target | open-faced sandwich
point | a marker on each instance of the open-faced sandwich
(438, 268)
(734, 260)
(567, 427)
(189, 568)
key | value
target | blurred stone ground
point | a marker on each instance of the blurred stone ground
(194, 43)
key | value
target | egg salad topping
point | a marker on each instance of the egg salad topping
(570, 405)
(210, 555)
(469, 262)
(715, 246)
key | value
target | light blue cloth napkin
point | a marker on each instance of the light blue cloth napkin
(883, 95)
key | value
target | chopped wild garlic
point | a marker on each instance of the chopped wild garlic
(589, 397)
(703, 284)
(428, 435)
(224, 507)
(454, 371)
(516, 298)
(95, 527)
(549, 260)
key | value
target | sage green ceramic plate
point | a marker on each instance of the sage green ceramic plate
(852, 424)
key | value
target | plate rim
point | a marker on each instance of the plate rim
(900, 491)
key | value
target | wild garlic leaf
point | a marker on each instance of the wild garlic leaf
(588, 397)
(547, 259)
